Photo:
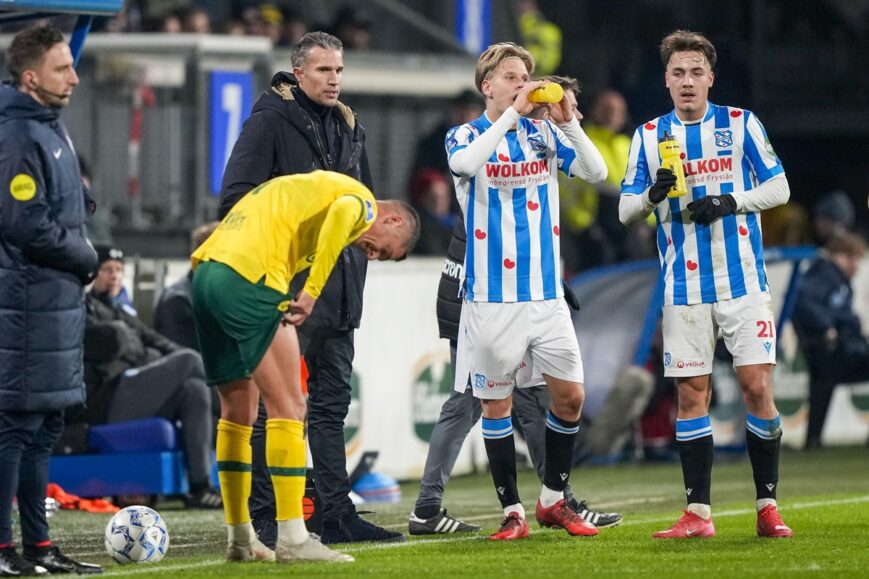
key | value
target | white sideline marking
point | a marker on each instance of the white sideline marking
(145, 568)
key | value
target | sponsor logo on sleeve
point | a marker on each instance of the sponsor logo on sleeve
(369, 211)
(479, 381)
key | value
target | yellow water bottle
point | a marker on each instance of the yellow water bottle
(671, 158)
(548, 93)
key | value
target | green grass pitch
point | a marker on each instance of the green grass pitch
(823, 497)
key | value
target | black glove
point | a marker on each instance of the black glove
(665, 179)
(705, 211)
(570, 297)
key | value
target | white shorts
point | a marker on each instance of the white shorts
(496, 341)
(746, 324)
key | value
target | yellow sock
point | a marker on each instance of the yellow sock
(285, 457)
(233, 470)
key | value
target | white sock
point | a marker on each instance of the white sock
(701, 510)
(549, 497)
(242, 534)
(292, 532)
(517, 508)
(761, 503)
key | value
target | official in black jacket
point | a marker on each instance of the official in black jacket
(299, 126)
(45, 259)
(829, 331)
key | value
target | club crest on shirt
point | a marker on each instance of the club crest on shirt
(723, 138)
(479, 381)
(537, 143)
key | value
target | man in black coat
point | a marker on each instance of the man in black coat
(299, 126)
(829, 331)
(45, 260)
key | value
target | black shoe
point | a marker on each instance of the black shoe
(596, 518)
(356, 530)
(12, 564)
(56, 562)
(206, 498)
(266, 531)
(441, 523)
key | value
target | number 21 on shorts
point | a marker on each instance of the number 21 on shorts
(766, 329)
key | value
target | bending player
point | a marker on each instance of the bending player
(245, 322)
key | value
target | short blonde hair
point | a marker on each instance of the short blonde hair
(495, 55)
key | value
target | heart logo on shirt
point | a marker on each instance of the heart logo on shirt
(735, 114)
(682, 156)
(650, 126)
(533, 206)
(509, 264)
(479, 234)
(503, 158)
(691, 265)
(669, 241)
(743, 230)
(556, 230)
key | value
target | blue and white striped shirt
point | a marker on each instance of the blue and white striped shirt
(510, 204)
(728, 151)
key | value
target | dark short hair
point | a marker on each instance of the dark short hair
(28, 48)
(565, 82)
(687, 41)
(303, 47)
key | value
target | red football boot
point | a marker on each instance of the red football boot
(513, 527)
(689, 526)
(769, 523)
(560, 515)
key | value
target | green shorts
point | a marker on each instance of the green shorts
(235, 321)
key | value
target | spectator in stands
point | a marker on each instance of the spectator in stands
(173, 316)
(431, 195)
(541, 37)
(352, 26)
(197, 21)
(592, 234)
(170, 24)
(133, 372)
(786, 226)
(829, 331)
(430, 153)
(108, 286)
(293, 29)
(272, 22)
(833, 214)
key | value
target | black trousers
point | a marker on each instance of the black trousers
(329, 356)
(26, 440)
(174, 388)
(846, 364)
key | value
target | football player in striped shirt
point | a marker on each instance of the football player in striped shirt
(712, 262)
(504, 167)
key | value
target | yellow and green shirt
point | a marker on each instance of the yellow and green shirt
(289, 224)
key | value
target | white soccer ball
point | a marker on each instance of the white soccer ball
(137, 535)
